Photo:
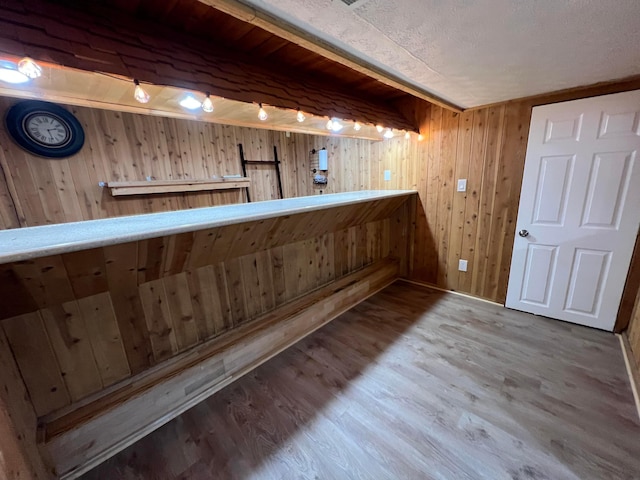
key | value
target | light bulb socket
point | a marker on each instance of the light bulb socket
(139, 93)
(262, 114)
(207, 104)
(27, 66)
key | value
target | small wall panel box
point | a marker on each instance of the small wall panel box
(462, 184)
(323, 160)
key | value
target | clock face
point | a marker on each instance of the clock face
(47, 129)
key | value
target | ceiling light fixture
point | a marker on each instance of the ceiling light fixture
(407, 136)
(330, 125)
(300, 116)
(207, 105)
(420, 137)
(262, 114)
(27, 66)
(140, 94)
(379, 128)
(388, 133)
(9, 73)
(190, 103)
(357, 126)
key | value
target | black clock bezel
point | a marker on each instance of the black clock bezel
(16, 123)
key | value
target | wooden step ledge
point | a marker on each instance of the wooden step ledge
(80, 439)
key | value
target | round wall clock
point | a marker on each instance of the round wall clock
(45, 129)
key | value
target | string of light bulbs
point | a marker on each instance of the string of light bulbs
(27, 69)
(333, 124)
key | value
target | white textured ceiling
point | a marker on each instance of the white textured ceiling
(476, 52)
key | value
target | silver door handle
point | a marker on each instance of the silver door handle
(523, 233)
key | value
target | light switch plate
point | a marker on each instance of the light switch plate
(462, 265)
(462, 184)
(387, 175)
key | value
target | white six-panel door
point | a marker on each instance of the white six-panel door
(579, 210)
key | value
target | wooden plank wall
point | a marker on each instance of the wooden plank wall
(81, 322)
(633, 334)
(20, 457)
(487, 146)
(123, 146)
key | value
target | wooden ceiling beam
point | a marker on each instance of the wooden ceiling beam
(288, 31)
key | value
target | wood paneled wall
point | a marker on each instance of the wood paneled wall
(487, 146)
(21, 458)
(123, 146)
(633, 334)
(81, 322)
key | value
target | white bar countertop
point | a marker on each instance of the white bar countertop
(33, 242)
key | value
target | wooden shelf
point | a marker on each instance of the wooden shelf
(173, 186)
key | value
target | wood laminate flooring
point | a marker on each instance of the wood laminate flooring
(412, 383)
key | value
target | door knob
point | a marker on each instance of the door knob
(523, 233)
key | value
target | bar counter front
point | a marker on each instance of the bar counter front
(110, 328)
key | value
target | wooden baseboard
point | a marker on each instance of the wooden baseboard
(433, 287)
(632, 368)
(82, 439)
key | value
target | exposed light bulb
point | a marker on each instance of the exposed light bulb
(300, 116)
(29, 67)
(139, 93)
(407, 136)
(388, 133)
(379, 128)
(190, 103)
(207, 105)
(9, 73)
(336, 126)
(262, 115)
(420, 137)
(357, 126)
(330, 125)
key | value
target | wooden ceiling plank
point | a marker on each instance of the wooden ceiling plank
(267, 21)
(177, 58)
(200, 19)
(270, 46)
(152, 9)
(253, 39)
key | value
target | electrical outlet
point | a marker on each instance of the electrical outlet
(387, 175)
(462, 265)
(462, 184)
